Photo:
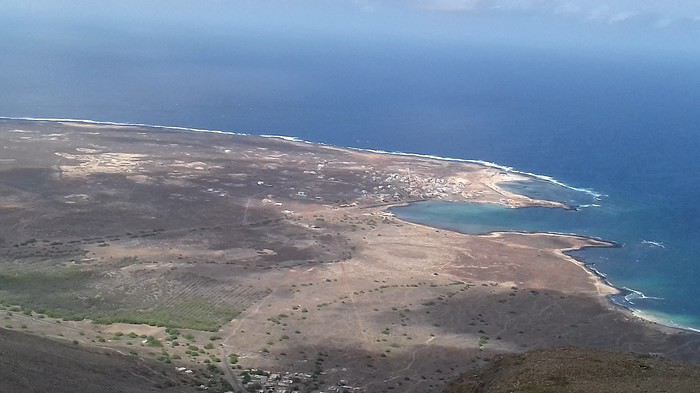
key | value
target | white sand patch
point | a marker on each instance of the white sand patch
(101, 163)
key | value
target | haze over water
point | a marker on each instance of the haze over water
(605, 102)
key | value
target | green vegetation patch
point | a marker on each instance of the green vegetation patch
(73, 294)
(59, 292)
(187, 315)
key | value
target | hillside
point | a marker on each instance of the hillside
(577, 370)
(34, 364)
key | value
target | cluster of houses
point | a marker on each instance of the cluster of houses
(416, 187)
(260, 381)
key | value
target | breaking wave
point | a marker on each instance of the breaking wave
(633, 294)
(654, 243)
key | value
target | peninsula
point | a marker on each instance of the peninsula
(228, 262)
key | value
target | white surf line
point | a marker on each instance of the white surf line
(549, 179)
(113, 123)
(284, 137)
(594, 194)
(662, 320)
(654, 243)
(635, 294)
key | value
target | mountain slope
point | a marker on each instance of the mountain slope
(577, 370)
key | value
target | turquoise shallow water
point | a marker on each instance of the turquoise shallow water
(648, 285)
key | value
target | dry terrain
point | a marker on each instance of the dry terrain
(270, 262)
(570, 370)
(33, 364)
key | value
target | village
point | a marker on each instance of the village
(261, 381)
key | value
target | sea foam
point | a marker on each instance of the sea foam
(654, 243)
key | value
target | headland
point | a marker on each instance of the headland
(265, 260)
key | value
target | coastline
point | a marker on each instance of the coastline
(607, 291)
(600, 277)
(606, 288)
(482, 163)
(603, 285)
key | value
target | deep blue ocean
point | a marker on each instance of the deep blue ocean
(624, 125)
